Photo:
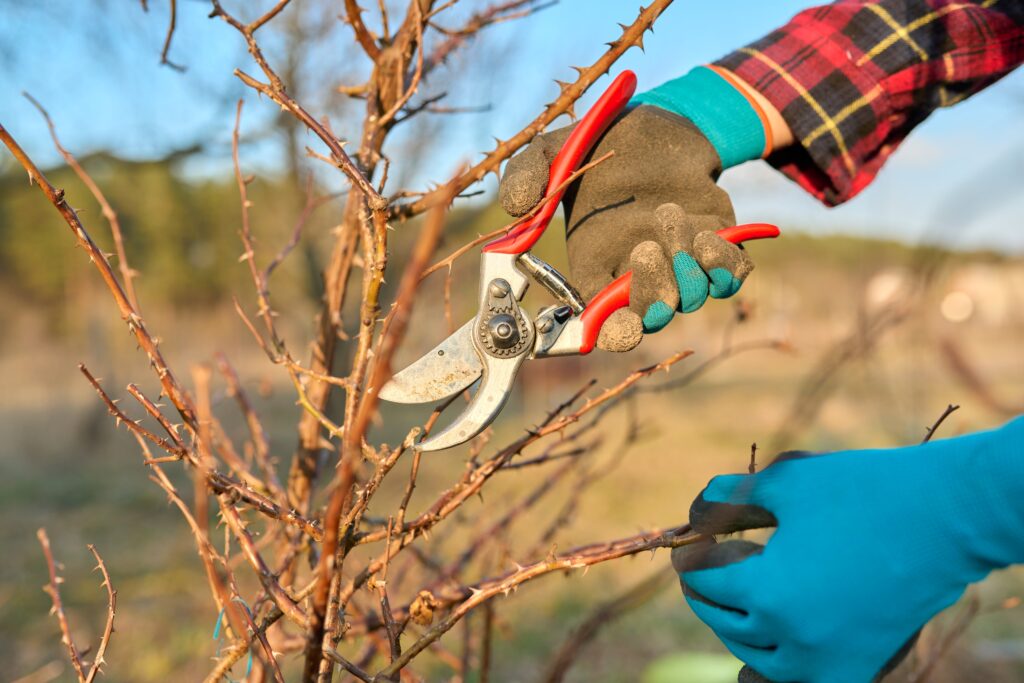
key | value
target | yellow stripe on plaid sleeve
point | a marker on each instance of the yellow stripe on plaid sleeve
(843, 114)
(903, 33)
(899, 33)
(828, 124)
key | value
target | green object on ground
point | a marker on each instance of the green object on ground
(693, 667)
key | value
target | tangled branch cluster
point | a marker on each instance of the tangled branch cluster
(340, 587)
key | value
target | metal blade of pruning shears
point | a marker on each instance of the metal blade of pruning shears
(449, 368)
(487, 402)
(493, 346)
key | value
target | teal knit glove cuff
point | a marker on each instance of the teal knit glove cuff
(721, 112)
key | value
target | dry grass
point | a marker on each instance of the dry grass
(86, 484)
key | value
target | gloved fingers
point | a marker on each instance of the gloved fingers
(676, 232)
(622, 331)
(726, 264)
(692, 281)
(756, 660)
(721, 576)
(734, 625)
(526, 175)
(710, 554)
(786, 456)
(731, 503)
(653, 293)
(525, 179)
(716, 578)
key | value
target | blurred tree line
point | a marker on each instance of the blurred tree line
(178, 233)
(180, 229)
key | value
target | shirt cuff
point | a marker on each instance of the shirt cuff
(838, 110)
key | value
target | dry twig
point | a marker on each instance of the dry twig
(930, 432)
(631, 36)
(127, 274)
(602, 616)
(312, 563)
(172, 24)
(86, 673)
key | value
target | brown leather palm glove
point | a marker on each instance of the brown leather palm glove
(652, 208)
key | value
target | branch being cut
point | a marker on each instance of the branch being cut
(632, 36)
(471, 483)
(469, 597)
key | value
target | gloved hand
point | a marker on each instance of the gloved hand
(653, 208)
(869, 546)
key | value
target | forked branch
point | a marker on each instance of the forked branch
(86, 672)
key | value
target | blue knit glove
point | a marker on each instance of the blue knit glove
(869, 546)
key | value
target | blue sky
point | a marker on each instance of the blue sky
(957, 180)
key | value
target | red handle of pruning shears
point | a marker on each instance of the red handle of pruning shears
(616, 295)
(582, 139)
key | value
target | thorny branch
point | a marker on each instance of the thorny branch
(632, 36)
(217, 481)
(127, 274)
(330, 556)
(172, 24)
(86, 673)
(127, 311)
(579, 558)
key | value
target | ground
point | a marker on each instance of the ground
(64, 467)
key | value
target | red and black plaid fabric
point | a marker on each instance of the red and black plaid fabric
(853, 78)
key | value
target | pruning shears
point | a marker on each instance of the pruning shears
(493, 345)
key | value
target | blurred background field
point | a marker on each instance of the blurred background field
(840, 339)
(62, 465)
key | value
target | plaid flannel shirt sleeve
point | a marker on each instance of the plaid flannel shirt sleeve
(853, 78)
